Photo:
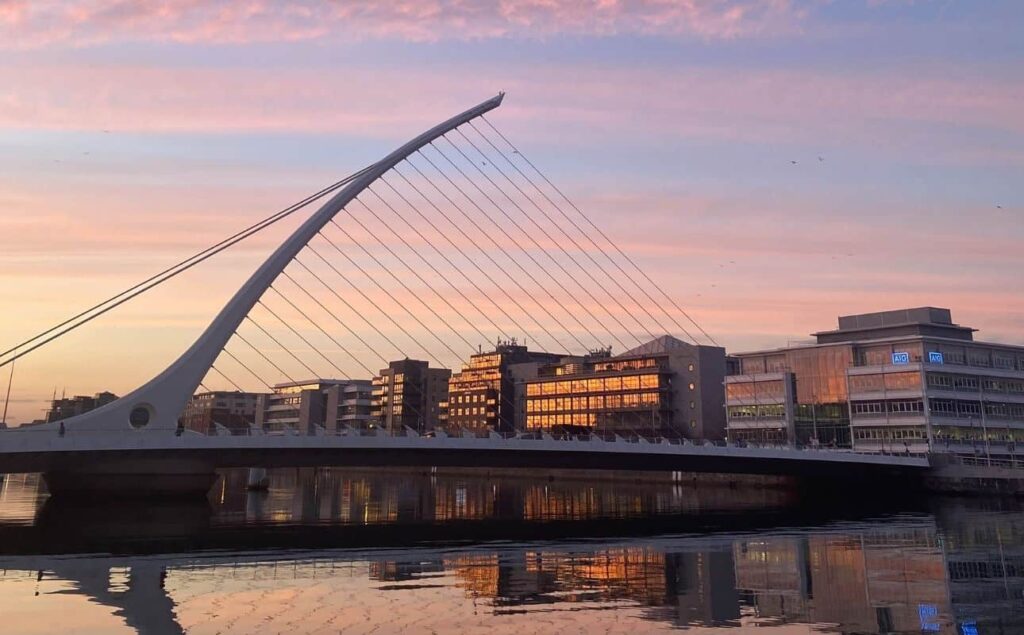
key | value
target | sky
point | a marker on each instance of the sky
(771, 164)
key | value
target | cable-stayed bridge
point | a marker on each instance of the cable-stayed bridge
(454, 237)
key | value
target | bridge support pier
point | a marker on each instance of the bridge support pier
(114, 477)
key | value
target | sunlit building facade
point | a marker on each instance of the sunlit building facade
(482, 395)
(409, 394)
(665, 388)
(896, 381)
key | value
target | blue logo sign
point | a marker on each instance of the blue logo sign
(900, 358)
(929, 615)
(935, 357)
(969, 628)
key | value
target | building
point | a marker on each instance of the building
(666, 388)
(894, 381)
(235, 411)
(64, 408)
(409, 394)
(305, 406)
(482, 395)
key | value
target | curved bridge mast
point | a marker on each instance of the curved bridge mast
(157, 405)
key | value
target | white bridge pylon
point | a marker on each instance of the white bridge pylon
(156, 406)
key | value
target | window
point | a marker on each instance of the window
(994, 385)
(936, 380)
(953, 355)
(866, 383)
(752, 366)
(978, 357)
(867, 408)
(1002, 360)
(908, 407)
(964, 382)
(968, 408)
(902, 381)
(775, 364)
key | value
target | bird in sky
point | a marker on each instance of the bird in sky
(999, 207)
(793, 162)
(821, 158)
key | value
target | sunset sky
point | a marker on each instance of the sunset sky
(133, 134)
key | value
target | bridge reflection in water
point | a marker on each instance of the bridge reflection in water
(955, 567)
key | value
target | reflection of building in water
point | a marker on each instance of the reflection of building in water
(985, 565)
(402, 571)
(877, 582)
(636, 574)
(702, 588)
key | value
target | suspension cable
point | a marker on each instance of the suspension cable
(301, 336)
(393, 299)
(605, 236)
(575, 243)
(251, 372)
(525, 271)
(312, 373)
(167, 274)
(417, 274)
(454, 246)
(229, 380)
(537, 244)
(345, 302)
(268, 360)
(457, 290)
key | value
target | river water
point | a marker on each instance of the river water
(331, 551)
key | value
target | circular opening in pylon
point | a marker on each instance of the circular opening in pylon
(140, 416)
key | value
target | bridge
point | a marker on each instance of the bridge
(540, 266)
(148, 464)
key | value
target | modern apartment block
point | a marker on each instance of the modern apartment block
(482, 395)
(304, 406)
(665, 388)
(409, 394)
(235, 411)
(72, 406)
(895, 381)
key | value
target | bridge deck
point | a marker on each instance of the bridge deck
(45, 451)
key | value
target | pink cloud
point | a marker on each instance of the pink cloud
(88, 22)
(565, 103)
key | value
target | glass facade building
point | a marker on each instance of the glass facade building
(899, 381)
(666, 388)
(482, 395)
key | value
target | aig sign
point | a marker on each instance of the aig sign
(935, 357)
(900, 358)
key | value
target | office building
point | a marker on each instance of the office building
(482, 395)
(64, 408)
(664, 388)
(895, 381)
(409, 394)
(306, 406)
(207, 412)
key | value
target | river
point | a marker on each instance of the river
(335, 551)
